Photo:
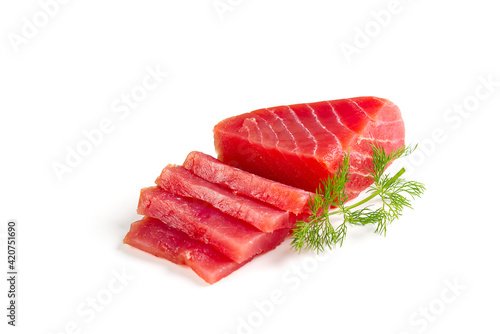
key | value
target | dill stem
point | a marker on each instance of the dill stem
(375, 193)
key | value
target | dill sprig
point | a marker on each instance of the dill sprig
(394, 192)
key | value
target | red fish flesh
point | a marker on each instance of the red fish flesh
(234, 238)
(155, 237)
(277, 194)
(302, 144)
(180, 181)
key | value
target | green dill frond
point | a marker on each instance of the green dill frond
(364, 216)
(317, 233)
(381, 159)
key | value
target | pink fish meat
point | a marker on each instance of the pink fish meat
(277, 194)
(234, 238)
(302, 144)
(155, 237)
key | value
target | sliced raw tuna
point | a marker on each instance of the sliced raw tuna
(234, 238)
(180, 181)
(277, 194)
(155, 237)
(308, 141)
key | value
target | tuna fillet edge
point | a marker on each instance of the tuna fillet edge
(300, 145)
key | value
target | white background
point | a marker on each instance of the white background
(66, 77)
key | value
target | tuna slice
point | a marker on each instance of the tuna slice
(180, 181)
(155, 237)
(234, 238)
(277, 194)
(301, 144)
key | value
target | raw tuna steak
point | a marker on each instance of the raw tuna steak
(277, 194)
(155, 237)
(180, 181)
(234, 238)
(301, 144)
